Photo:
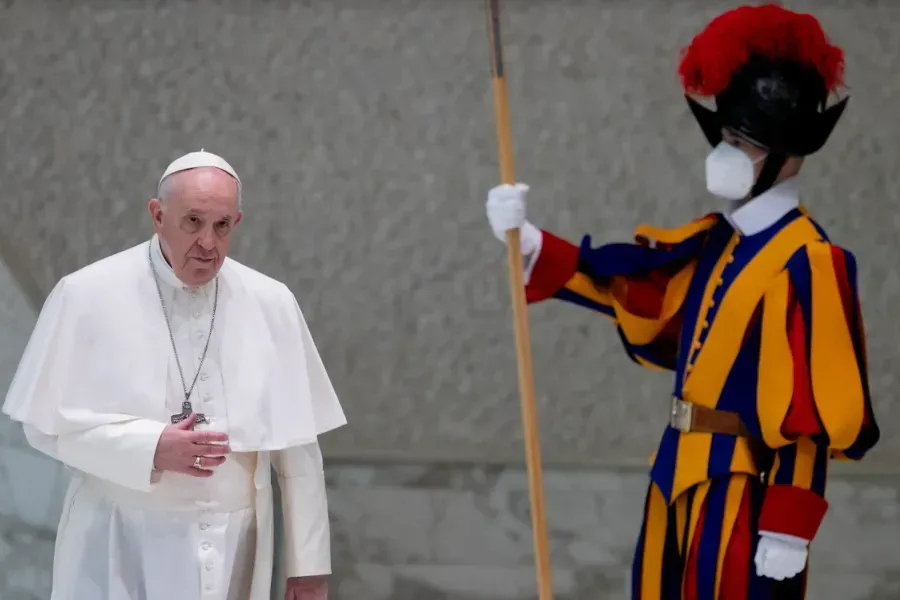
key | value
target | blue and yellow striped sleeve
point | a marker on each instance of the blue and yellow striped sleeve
(814, 398)
(641, 287)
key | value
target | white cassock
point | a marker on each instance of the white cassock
(97, 384)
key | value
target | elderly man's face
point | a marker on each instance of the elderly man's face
(196, 221)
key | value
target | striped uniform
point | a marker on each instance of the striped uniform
(766, 325)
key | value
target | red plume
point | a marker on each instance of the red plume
(726, 44)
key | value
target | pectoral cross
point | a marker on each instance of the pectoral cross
(186, 410)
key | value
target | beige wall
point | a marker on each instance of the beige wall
(364, 134)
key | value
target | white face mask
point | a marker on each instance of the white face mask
(730, 173)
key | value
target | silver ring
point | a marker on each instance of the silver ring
(197, 463)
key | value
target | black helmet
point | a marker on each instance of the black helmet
(771, 72)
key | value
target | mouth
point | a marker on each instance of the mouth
(205, 261)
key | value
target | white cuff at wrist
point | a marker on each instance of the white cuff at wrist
(530, 238)
(786, 538)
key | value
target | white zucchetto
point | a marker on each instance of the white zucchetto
(194, 160)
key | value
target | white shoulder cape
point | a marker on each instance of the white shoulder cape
(99, 354)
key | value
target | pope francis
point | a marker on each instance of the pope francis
(171, 380)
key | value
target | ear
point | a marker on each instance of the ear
(154, 207)
(240, 216)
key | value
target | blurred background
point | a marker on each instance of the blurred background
(364, 134)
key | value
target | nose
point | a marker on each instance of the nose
(207, 241)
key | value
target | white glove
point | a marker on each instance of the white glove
(506, 210)
(780, 556)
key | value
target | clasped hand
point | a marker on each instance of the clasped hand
(179, 447)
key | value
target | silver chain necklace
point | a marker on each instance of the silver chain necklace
(186, 407)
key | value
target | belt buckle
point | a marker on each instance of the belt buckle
(682, 415)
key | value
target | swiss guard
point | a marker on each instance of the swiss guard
(753, 309)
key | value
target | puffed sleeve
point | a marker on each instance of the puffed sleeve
(641, 286)
(814, 401)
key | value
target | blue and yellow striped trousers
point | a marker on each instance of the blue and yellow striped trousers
(701, 547)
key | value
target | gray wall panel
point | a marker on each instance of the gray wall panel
(364, 133)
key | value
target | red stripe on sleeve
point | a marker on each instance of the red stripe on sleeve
(644, 297)
(802, 418)
(556, 264)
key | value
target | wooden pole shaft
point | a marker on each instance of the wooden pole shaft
(520, 316)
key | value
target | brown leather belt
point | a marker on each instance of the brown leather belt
(687, 417)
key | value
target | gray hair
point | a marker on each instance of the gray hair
(167, 188)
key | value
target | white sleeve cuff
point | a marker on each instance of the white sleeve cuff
(120, 452)
(531, 241)
(793, 540)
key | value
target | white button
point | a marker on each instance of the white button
(196, 314)
(200, 334)
(208, 398)
(208, 587)
(206, 545)
(204, 526)
(209, 567)
(204, 376)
